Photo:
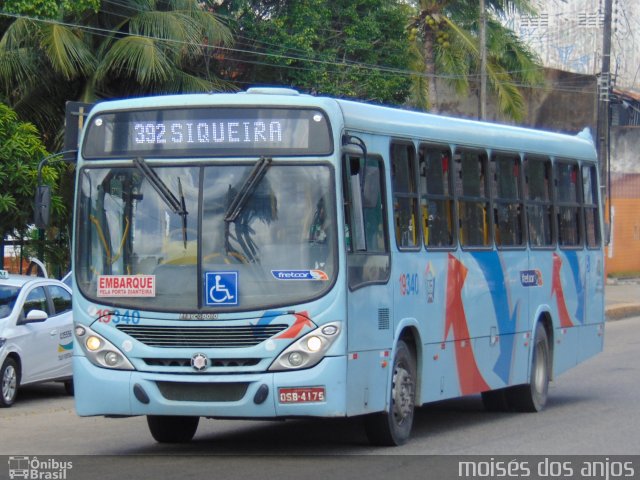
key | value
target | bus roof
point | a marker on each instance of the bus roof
(470, 133)
(395, 122)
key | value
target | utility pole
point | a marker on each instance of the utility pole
(482, 97)
(604, 110)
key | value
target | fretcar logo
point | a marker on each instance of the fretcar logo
(531, 278)
(300, 275)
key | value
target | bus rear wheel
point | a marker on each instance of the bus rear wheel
(172, 429)
(532, 397)
(496, 400)
(393, 427)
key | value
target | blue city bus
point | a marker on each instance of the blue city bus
(269, 254)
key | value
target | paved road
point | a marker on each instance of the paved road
(592, 410)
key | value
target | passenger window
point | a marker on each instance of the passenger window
(473, 201)
(405, 196)
(507, 195)
(436, 201)
(36, 300)
(61, 299)
(568, 204)
(365, 216)
(591, 210)
(537, 173)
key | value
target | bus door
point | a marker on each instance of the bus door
(370, 332)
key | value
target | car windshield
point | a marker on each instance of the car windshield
(196, 238)
(8, 297)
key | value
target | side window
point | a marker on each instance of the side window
(507, 205)
(591, 210)
(405, 195)
(365, 216)
(436, 201)
(473, 201)
(537, 174)
(36, 300)
(61, 299)
(568, 204)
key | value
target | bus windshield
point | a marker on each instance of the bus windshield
(161, 238)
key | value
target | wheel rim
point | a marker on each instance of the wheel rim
(540, 374)
(9, 383)
(403, 395)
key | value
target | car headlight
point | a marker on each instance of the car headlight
(308, 350)
(100, 351)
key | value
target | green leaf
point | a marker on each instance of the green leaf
(66, 51)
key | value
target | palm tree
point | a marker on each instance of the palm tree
(444, 35)
(127, 47)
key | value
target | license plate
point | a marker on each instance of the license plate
(301, 394)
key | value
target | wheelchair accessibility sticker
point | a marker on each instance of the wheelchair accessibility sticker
(221, 288)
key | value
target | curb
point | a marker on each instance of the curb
(623, 310)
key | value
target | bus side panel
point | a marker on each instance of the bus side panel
(508, 358)
(565, 353)
(369, 335)
(592, 332)
(367, 380)
(439, 379)
(495, 309)
(568, 296)
(591, 341)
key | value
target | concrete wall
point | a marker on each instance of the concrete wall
(625, 149)
(552, 106)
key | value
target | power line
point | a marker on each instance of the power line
(104, 32)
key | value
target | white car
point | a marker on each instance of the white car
(36, 333)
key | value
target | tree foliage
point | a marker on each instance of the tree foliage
(21, 150)
(344, 48)
(86, 53)
(49, 8)
(445, 41)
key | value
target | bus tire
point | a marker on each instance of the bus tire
(68, 387)
(532, 397)
(495, 400)
(9, 381)
(393, 427)
(172, 429)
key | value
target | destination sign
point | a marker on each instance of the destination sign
(224, 134)
(199, 132)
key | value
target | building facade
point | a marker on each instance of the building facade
(568, 34)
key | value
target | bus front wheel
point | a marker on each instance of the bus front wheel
(393, 427)
(532, 397)
(172, 429)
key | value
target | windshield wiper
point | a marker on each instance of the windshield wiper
(177, 206)
(248, 186)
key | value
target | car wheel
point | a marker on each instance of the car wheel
(10, 381)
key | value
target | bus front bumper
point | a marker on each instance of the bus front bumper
(316, 392)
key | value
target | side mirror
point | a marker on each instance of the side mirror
(36, 316)
(42, 206)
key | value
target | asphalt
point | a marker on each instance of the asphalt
(622, 298)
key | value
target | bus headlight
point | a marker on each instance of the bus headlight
(100, 351)
(308, 350)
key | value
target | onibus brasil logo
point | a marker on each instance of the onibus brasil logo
(38, 469)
